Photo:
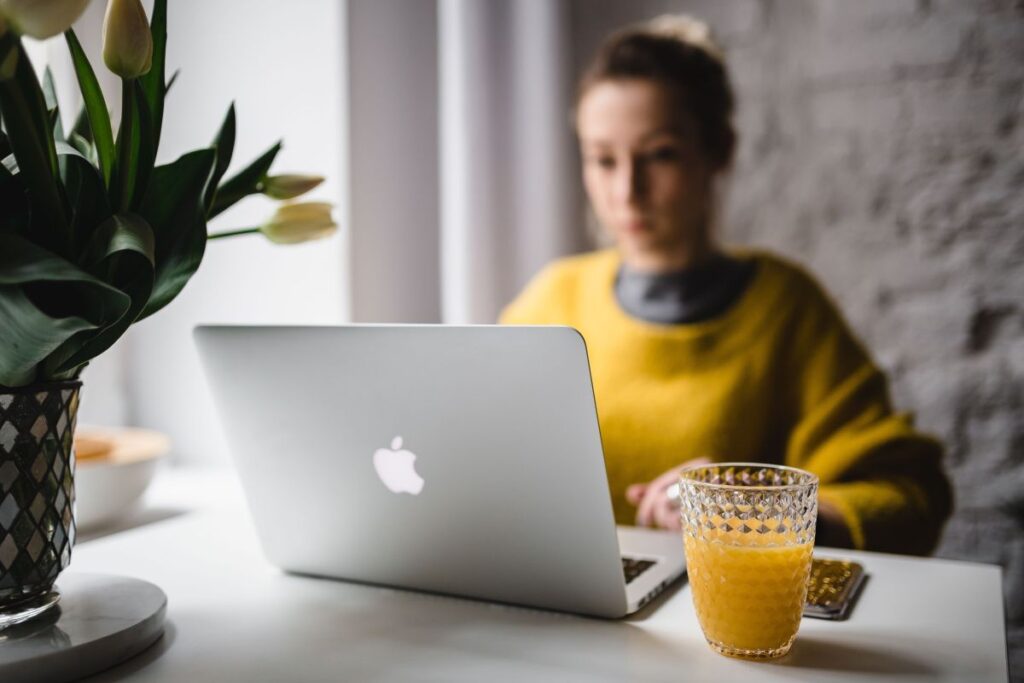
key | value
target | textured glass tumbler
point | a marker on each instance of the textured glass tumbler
(749, 532)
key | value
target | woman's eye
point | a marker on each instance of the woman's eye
(605, 162)
(663, 154)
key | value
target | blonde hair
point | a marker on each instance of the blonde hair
(686, 29)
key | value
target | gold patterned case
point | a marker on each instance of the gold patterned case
(833, 588)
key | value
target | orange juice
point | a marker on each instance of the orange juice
(749, 595)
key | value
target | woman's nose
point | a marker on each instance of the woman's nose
(631, 183)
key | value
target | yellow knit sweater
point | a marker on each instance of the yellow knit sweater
(777, 378)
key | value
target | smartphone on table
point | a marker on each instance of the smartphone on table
(833, 588)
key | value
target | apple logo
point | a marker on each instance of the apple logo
(396, 468)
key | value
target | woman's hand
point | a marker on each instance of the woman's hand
(654, 508)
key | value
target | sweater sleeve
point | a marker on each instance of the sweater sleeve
(544, 300)
(884, 477)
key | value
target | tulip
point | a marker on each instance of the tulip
(292, 223)
(299, 222)
(127, 40)
(290, 186)
(39, 19)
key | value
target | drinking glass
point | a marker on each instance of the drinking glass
(748, 530)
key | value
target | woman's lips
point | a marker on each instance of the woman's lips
(634, 225)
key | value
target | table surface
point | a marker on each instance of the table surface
(233, 616)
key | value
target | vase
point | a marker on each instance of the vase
(37, 495)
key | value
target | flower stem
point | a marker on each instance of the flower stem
(232, 233)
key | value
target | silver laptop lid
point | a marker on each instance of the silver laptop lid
(462, 460)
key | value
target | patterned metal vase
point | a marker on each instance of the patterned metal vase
(37, 495)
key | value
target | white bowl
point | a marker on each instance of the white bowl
(109, 484)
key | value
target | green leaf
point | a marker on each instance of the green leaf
(224, 144)
(82, 128)
(49, 89)
(86, 193)
(50, 96)
(16, 215)
(173, 206)
(25, 115)
(58, 139)
(84, 148)
(147, 148)
(135, 152)
(121, 233)
(95, 105)
(170, 81)
(5, 145)
(53, 118)
(152, 82)
(44, 302)
(121, 254)
(29, 336)
(66, 148)
(243, 183)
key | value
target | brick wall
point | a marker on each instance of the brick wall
(882, 144)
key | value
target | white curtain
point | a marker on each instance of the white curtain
(509, 191)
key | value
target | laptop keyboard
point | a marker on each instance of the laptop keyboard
(634, 568)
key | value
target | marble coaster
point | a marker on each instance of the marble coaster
(100, 621)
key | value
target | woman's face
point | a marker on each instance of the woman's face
(645, 174)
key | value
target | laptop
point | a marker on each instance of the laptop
(462, 460)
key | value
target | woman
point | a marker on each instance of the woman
(702, 352)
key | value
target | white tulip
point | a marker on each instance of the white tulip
(299, 222)
(290, 186)
(127, 39)
(40, 19)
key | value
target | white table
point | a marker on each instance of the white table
(233, 617)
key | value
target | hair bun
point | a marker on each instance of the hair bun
(685, 29)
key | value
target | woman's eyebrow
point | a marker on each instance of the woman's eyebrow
(669, 131)
(653, 135)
